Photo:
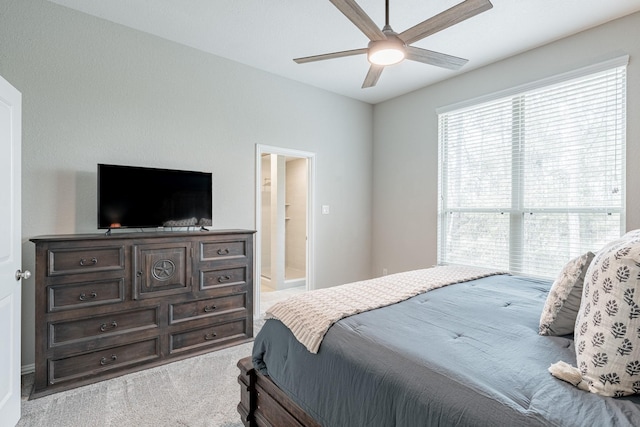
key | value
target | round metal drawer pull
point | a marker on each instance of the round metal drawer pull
(209, 308)
(223, 279)
(84, 263)
(104, 326)
(84, 297)
(224, 251)
(210, 336)
(105, 361)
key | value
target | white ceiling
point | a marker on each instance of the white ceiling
(268, 34)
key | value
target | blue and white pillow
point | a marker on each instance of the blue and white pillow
(563, 302)
(607, 330)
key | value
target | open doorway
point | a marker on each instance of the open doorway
(284, 224)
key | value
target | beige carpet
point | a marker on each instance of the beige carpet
(198, 392)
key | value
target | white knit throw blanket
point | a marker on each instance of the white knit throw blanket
(310, 315)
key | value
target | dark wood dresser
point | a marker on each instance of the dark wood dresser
(111, 305)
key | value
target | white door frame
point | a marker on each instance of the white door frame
(311, 183)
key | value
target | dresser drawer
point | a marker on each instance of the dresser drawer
(100, 326)
(222, 277)
(220, 250)
(90, 364)
(208, 336)
(85, 294)
(207, 307)
(85, 260)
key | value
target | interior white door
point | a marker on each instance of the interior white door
(10, 252)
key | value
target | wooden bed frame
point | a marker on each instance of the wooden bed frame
(263, 404)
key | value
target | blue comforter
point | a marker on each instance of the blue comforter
(464, 355)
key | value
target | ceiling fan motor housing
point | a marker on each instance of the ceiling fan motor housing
(387, 52)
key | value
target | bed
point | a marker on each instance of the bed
(466, 354)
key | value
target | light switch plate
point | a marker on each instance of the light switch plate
(325, 210)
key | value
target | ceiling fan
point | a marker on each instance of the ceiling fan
(388, 47)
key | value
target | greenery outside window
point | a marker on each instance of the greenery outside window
(532, 177)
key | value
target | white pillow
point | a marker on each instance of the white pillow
(607, 330)
(563, 302)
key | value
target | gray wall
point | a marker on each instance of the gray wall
(97, 92)
(406, 138)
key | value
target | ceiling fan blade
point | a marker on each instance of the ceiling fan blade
(330, 55)
(458, 13)
(360, 19)
(434, 58)
(372, 76)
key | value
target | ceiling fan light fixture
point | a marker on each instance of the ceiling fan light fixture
(386, 52)
(388, 47)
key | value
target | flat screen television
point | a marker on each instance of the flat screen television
(137, 197)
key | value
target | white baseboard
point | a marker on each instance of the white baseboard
(28, 369)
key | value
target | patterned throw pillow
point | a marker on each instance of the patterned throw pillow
(562, 305)
(607, 330)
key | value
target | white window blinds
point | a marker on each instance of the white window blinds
(530, 180)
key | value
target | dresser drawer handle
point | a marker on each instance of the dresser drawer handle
(85, 263)
(112, 325)
(210, 336)
(209, 308)
(223, 279)
(105, 361)
(224, 251)
(84, 297)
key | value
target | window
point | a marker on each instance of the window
(531, 179)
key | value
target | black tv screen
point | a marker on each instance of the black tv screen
(137, 197)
